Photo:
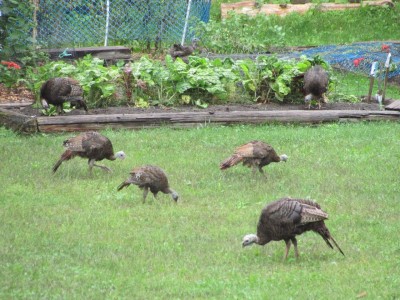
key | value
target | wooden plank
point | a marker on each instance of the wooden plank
(104, 52)
(249, 7)
(18, 122)
(15, 104)
(395, 105)
(191, 119)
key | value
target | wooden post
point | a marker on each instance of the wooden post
(371, 80)
(387, 65)
(34, 31)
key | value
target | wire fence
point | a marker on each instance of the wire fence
(93, 22)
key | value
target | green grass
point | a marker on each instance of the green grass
(350, 84)
(71, 235)
(314, 28)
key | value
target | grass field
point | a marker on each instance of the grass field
(73, 236)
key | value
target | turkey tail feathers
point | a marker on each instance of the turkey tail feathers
(231, 161)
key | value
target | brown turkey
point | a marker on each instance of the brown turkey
(150, 178)
(255, 155)
(178, 50)
(315, 85)
(91, 145)
(58, 90)
(286, 218)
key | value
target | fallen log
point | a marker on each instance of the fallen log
(250, 8)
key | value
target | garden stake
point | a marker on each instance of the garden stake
(371, 80)
(186, 22)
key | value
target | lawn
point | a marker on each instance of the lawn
(72, 235)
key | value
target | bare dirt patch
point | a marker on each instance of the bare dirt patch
(15, 96)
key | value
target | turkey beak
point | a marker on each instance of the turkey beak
(44, 104)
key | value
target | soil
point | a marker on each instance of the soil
(30, 111)
(15, 96)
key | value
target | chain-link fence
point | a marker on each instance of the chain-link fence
(92, 22)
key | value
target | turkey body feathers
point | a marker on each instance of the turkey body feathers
(58, 90)
(315, 83)
(178, 50)
(255, 154)
(286, 218)
(91, 145)
(151, 178)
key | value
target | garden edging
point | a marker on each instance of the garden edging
(26, 124)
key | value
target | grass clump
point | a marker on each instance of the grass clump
(72, 235)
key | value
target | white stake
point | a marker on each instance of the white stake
(107, 22)
(186, 22)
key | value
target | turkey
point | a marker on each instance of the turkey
(58, 90)
(255, 154)
(315, 85)
(181, 51)
(91, 145)
(149, 177)
(286, 218)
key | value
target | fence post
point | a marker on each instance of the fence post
(186, 22)
(35, 24)
(107, 22)
(387, 66)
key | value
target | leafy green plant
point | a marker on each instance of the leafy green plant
(178, 82)
(269, 78)
(52, 110)
(16, 24)
(98, 82)
(240, 33)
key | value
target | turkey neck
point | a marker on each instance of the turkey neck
(262, 238)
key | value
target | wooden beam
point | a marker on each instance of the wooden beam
(26, 124)
(250, 8)
(193, 119)
(104, 52)
(395, 105)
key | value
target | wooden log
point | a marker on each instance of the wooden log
(18, 122)
(191, 119)
(105, 52)
(250, 8)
